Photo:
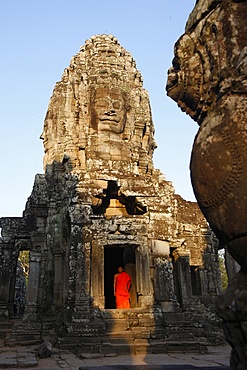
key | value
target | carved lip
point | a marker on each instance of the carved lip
(110, 119)
(172, 78)
(172, 82)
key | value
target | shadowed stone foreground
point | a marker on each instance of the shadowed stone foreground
(155, 367)
(27, 357)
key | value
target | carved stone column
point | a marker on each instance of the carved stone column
(143, 276)
(33, 288)
(79, 250)
(30, 328)
(182, 266)
(164, 282)
(58, 281)
(8, 263)
(6, 275)
(97, 288)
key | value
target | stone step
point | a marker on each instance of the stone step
(4, 333)
(119, 349)
(125, 343)
(12, 342)
(130, 314)
(116, 325)
(186, 346)
(125, 333)
(24, 333)
(180, 336)
(79, 344)
(5, 328)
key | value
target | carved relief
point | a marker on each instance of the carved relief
(185, 78)
(207, 60)
(108, 110)
(218, 104)
(99, 108)
(217, 31)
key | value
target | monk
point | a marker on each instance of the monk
(122, 284)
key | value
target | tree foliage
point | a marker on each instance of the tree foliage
(24, 259)
(224, 277)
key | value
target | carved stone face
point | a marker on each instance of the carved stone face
(108, 110)
(185, 77)
(175, 82)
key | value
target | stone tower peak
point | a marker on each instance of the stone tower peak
(99, 117)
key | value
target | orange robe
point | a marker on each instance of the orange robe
(122, 287)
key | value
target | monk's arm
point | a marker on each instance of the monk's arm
(114, 284)
(128, 285)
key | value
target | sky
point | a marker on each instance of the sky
(38, 40)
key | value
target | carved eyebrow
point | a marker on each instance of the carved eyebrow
(176, 63)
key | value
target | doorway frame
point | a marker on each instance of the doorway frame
(143, 281)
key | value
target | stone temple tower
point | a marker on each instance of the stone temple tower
(99, 117)
(101, 204)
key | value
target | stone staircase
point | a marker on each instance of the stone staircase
(5, 328)
(116, 332)
(23, 334)
(138, 331)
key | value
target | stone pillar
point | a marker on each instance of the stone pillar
(143, 276)
(33, 287)
(30, 328)
(58, 280)
(6, 276)
(8, 261)
(182, 266)
(97, 289)
(79, 250)
(164, 279)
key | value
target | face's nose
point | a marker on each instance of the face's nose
(170, 70)
(110, 109)
(110, 112)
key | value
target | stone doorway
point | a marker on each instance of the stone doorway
(114, 257)
(21, 282)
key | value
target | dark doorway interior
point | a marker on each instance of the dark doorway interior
(113, 258)
(195, 280)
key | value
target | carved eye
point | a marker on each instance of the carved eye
(116, 105)
(214, 29)
(176, 64)
(101, 104)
